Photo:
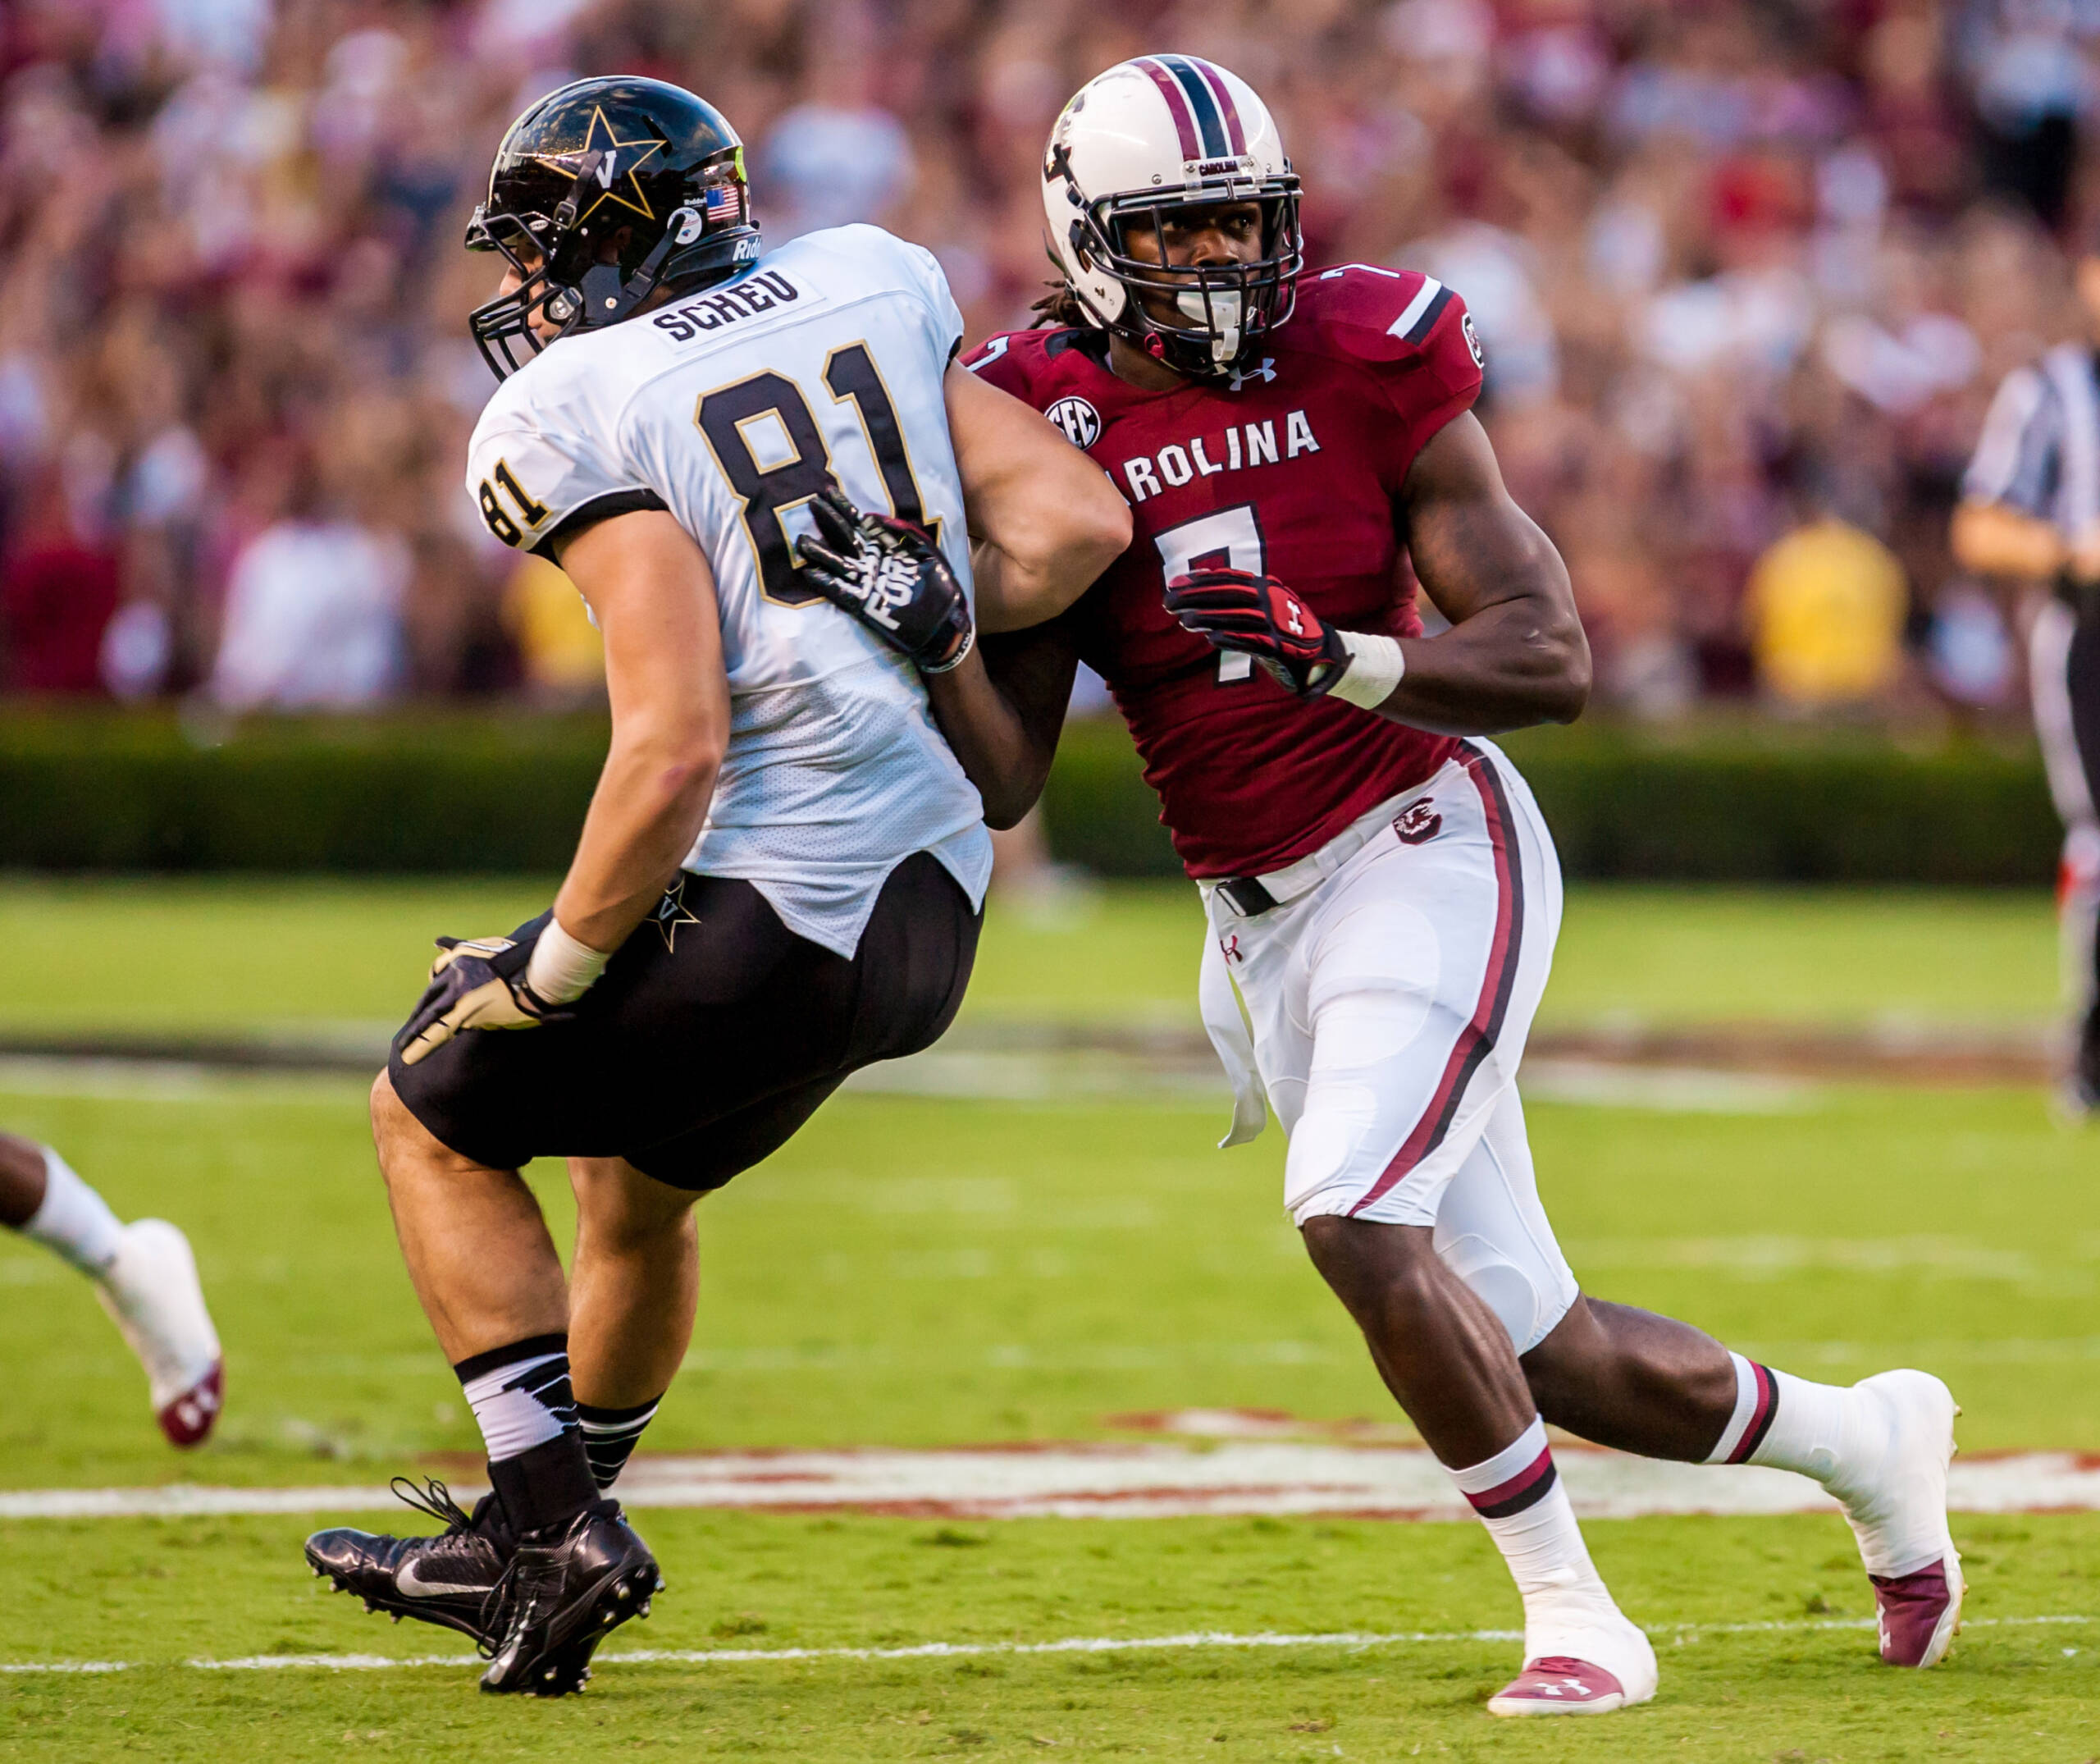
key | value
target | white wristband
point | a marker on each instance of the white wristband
(562, 970)
(1375, 667)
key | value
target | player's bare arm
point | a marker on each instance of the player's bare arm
(1044, 520)
(1515, 654)
(1003, 717)
(654, 597)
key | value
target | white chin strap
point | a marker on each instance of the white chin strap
(1221, 310)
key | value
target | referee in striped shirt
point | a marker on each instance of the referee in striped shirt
(2030, 508)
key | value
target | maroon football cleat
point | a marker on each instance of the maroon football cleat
(195, 1412)
(1919, 1613)
(1557, 1685)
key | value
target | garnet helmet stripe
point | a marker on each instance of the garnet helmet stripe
(1214, 77)
(1177, 104)
(1215, 146)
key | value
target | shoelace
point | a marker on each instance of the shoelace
(435, 1499)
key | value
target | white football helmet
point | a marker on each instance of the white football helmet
(1150, 136)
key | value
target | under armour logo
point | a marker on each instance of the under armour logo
(1267, 371)
(1296, 618)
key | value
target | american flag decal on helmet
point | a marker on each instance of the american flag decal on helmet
(723, 204)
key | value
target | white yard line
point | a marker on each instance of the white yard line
(1075, 1077)
(1679, 1632)
(1239, 1477)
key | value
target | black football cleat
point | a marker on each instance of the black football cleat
(450, 1579)
(565, 1592)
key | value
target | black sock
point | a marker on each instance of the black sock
(610, 1435)
(544, 1489)
(520, 1395)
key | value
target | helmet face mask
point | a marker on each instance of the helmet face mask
(1218, 308)
(1145, 143)
(604, 194)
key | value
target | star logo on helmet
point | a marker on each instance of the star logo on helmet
(607, 161)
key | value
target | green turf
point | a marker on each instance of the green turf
(215, 952)
(914, 1273)
(153, 1594)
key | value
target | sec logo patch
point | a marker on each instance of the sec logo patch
(1080, 420)
(1472, 340)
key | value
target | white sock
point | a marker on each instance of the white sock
(1518, 1496)
(1791, 1423)
(74, 1220)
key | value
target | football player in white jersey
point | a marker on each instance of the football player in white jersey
(780, 876)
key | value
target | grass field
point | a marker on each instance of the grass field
(917, 1272)
(220, 952)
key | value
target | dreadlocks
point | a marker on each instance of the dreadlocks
(1060, 307)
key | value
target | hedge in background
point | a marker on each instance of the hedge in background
(506, 791)
(437, 793)
(1719, 803)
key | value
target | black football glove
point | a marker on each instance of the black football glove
(477, 982)
(1260, 617)
(891, 576)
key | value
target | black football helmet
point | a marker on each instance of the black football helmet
(602, 193)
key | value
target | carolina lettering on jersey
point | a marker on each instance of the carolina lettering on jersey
(1240, 446)
(1292, 468)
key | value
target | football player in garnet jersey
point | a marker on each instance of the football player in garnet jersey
(1379, 888)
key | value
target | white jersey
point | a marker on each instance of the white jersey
(727, 407)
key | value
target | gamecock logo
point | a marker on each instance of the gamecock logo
(1080, 420)
(1418, 823)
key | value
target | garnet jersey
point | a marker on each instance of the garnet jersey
(1291, 469)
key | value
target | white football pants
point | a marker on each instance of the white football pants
(1389, 1002)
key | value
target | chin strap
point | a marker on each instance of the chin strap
(607, 299)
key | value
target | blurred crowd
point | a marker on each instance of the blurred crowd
(1746, 275)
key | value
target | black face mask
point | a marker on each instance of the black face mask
(1229, 306)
